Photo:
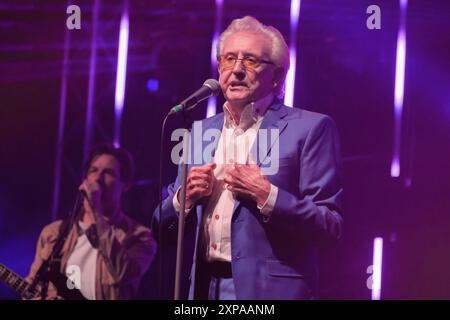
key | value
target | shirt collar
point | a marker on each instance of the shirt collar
(251, 113)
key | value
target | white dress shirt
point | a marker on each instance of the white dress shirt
(234, 146)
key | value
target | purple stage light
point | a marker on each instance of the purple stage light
(399, 89)
(377, 267)
(121, 75)
(91, 84)
(152, 85)
(61, 125)
(290, 78)
(211, 108)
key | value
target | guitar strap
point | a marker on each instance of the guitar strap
(58, 277)
(52, 265)
(63, 231)
(53, 262)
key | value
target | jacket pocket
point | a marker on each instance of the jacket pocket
(286, 161)
(276, 268)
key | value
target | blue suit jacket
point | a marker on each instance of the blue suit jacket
(276, 257)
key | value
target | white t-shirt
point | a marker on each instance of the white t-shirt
(84, 260)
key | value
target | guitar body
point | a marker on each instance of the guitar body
(21, 286)
(61, 282)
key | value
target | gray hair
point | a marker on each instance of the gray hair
(279, 51)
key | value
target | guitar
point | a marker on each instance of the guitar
(17, 283)
(21, 286)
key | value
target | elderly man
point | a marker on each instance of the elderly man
(252, 235)
(105, 252)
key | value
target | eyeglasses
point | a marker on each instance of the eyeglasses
(250, 62)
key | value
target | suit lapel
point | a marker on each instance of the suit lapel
(215, 125)
(273, 119)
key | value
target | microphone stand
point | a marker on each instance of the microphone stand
(211, 87)
(181, 216)
(45, 267)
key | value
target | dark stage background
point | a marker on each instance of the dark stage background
(343, 70)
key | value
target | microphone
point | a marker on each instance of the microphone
(84, 193)
(96, 186)
(210, 88)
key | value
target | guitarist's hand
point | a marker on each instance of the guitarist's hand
(92, 205)
(51, 294)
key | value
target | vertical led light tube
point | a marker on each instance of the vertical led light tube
(399, 90)
(121, 75)
(377, 267)
(211, 108)
(290, 78)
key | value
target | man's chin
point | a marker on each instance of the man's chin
(238, 99)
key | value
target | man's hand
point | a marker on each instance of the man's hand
(246, 180)
(200, 183)
(93, 193)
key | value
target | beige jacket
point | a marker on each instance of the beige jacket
(126, 250)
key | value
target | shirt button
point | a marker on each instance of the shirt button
(214, 246)
(217, 217)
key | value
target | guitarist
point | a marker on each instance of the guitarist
(105, 253)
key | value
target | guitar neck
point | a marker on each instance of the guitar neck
(16, 282)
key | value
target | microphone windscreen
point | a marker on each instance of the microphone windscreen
(214, 85)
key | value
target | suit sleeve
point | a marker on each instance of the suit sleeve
(317, 204)
(167, 219)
